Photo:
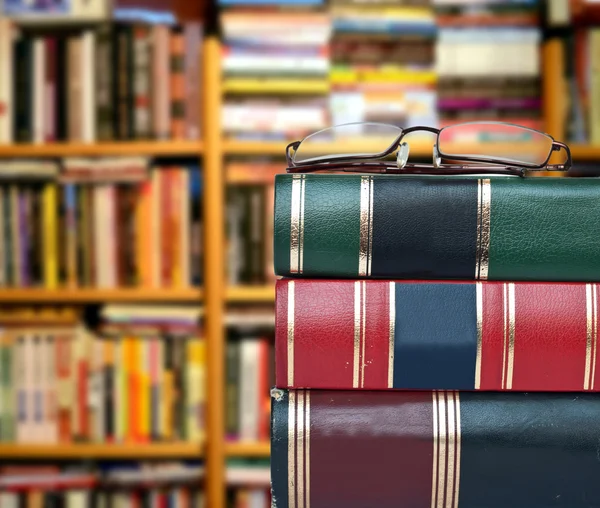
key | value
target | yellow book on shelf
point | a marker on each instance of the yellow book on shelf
(343, 76)
(50, 232)
(275, 85)
(143, 364)
(167, 426)
(195, 389)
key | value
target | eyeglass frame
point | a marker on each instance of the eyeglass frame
(345, 162)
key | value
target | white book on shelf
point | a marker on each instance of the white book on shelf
(39, 74)
(50, 389)
(6, 80)
(77, 498)
(9, 499)
(249, 409)
(88, 92)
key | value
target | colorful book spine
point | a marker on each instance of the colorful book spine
(177, 85)
(104, 82)
(437, 335)
(353, 226)
(446, 449)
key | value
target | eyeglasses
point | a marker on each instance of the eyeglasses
(485, 147)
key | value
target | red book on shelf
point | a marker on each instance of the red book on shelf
(376, 334)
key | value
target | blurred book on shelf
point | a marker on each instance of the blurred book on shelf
(138, 378)
(383, 66)
(275, 69)
(249, 374)
(476, 84)
(103, 484)
(43, 11)
(249, 216)
(103, 223)
(116, 81)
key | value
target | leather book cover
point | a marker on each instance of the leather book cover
(387, 449)
(384, 226)
(374, 334)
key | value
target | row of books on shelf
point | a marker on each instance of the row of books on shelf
(135, 227)
(114, 82)
(110, 223)
(290, 72)
(136, 375)
(122, 485)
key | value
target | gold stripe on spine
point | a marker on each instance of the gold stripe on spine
(357, 321)
(451, 452)
(589, 336)
(505, 332)
(300, 449)
(307, 450)
(295, 224)
(478, 237)
(594, 334)
(458, 446)
(442, 451)
(292, 449)
(370, 257)
(511, 336)
(479, 304)
(434, 480)
(301, 227)
(484, 246)
(392, 337)
(363, 334)
(290, 334)
(363, 252)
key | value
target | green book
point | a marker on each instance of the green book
(408, 227)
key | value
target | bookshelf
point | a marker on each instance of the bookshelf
(215, 295)
(70, 451)
(148, 148)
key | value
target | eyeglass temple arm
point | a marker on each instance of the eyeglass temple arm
(557, 146)
(288, 152)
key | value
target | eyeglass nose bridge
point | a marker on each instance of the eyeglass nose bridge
(402, 154)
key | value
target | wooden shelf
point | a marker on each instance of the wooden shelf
(101, 451)
(244, 294)
(34, 295)
(256, 450)
(122, 148)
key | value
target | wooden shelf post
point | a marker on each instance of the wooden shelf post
(214, 269)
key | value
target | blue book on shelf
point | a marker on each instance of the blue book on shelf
(36, 7)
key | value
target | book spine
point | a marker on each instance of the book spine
(232, 389)
(65, 386)
(161, 93)
(50, 89)
(75, 80)
(23, 89)
(39, 71)
(433, 448)
(104, 83)
(193, 47)
(50, 390)
(482, 228)
(196, 389)
(62, 89)
(70, 199)
(6, 81)
(109, 391)
(488, 336)
(88, 86)
(49, 237)
(16, 236)
(177, 85)
(124, 83)
(141, 82)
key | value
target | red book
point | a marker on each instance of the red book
(390, 449)
(376, 334)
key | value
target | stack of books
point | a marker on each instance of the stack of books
(383, 62)
(275, 68)
(113, 82)
(488, 61)
(436, 342)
